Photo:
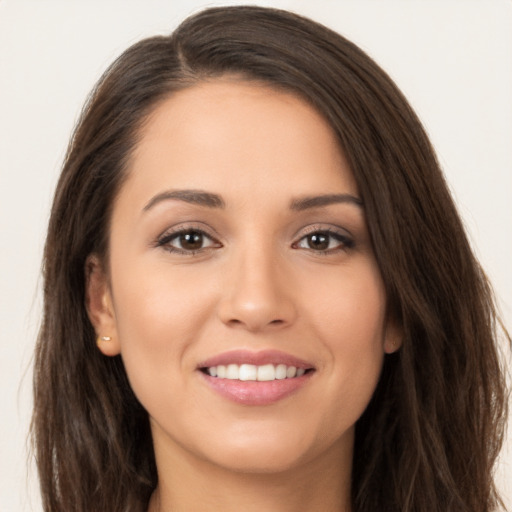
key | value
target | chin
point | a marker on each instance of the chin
(264, 460)
(266, 451)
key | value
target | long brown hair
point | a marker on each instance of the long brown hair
(430, 436)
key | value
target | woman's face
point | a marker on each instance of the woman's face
(239, 248)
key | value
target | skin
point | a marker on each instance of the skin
(256, 283)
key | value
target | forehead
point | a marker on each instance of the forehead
(229, 133)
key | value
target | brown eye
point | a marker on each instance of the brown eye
(191, 241)
(318, 241)
(187, 241)
(325, 241)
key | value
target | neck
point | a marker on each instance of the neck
(188, 483)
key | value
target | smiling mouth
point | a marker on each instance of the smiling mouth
(256, 378)
(258, 373)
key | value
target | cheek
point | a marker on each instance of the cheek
(156, 304)
(349, 309)
(350, 319)
(158, 317)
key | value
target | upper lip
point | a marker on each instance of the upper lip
(258, 358)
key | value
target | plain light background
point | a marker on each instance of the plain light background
(452, 59)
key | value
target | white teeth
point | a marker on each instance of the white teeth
(291, 371)
(281, 371)
(266, 372)
(248, 372)
(245, 372)
(232, 372)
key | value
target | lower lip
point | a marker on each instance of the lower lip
(255, 392)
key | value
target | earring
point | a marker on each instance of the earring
(102, 338)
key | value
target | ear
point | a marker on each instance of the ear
(99, 305)
(393, 336)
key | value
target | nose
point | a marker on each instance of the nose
(257, 295)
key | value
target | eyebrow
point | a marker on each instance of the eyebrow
(188, 196)
(211, 200)
(307, 202)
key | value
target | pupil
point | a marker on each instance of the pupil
(192, 240)
(319, 242)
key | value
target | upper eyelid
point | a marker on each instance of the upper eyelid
(167, 237)
(186, 227)
(343, 238)
(326, 228)
(214, 236)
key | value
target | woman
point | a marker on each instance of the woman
(258, 291)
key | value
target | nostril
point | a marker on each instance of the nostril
(235, 322)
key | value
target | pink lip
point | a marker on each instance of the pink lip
(254, 392)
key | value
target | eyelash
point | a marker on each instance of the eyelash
(165, 241)
(345, 242)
